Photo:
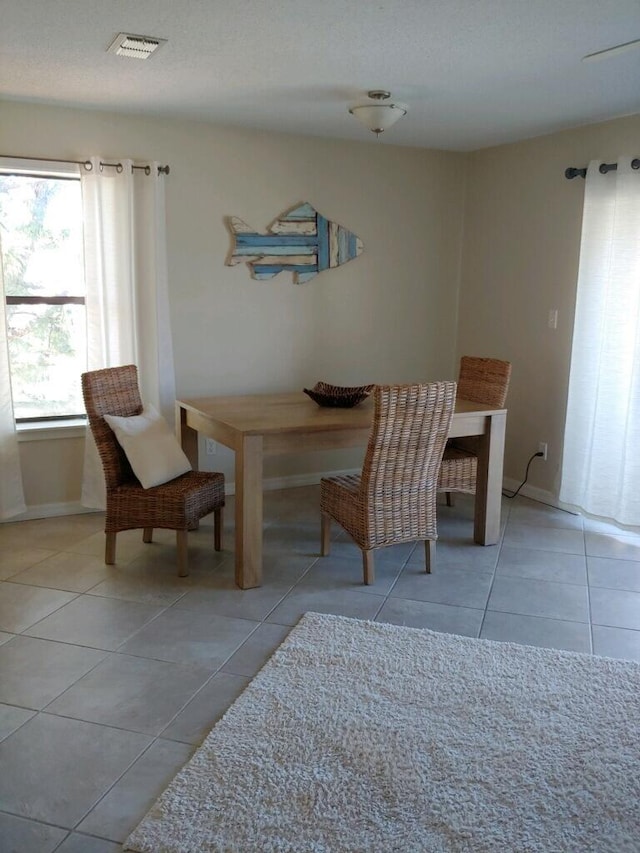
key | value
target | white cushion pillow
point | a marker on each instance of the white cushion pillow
(152, 449)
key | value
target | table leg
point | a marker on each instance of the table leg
(488, 500)
(188, 437)
(248, 507)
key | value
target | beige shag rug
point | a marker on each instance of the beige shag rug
(362, 736)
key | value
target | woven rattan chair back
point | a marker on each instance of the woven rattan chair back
(393, 500)
(484, 380)
(400, 470)
(481, 380)
(176, 505)
(112, 391)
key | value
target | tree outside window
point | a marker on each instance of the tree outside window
(42, 260)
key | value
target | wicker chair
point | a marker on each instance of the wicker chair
(481, 380)
(394, 498)
(177, 505)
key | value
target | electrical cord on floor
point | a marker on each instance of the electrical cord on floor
(526, 476)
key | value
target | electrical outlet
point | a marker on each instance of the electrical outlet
(210, 446)
(542, 448)
(552, 322)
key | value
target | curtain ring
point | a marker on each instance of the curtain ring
(88, 165)
(119, 168)
(102, 167)
(147, 170)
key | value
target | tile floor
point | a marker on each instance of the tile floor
(111, 675)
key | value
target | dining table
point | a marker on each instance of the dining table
(258, 425)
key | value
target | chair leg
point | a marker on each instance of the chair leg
(110, 549)
(181, 542)
(218, 521)
(147, 535)
(368, 567)
(325, 534)
(449, 499)
(429, 554)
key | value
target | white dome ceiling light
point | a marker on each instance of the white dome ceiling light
(378, 116)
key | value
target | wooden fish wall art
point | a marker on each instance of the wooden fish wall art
(300, 240)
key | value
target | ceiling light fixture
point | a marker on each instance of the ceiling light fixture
(135, 47)
(378, 117)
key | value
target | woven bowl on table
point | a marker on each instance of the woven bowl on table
(338, 396)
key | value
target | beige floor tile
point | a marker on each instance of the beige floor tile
(77, 843)
(531, 597)
(120, 811)
(89, 620)
(22, 606)
(195, 721)
(194, 643)
(12, 718)
(446, 585)
(462, 553)
(616, 642)
(34, 672)
(437, 617)
(615, 608)
(183, 636)
(131, 693)
(536, 631)
(614, 574)
(54, 534)
(544, 538)
(359, 605)
(144, 582)
(129, 545)
(228, 600)
(542, 565)
(14, 560)
(163, 557)
(18, 835)
(336, 573)
(66, 571)
(256, 650)
(620, 546)
(526, 511)
(58, 768)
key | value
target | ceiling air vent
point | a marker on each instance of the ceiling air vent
(135, 47)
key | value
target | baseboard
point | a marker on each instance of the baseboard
(293, 481)
(50, 511)
(540, 495)
(272, 484)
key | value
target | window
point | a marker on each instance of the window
(41, 247)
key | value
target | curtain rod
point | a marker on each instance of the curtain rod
(572, 172)
(88, 165)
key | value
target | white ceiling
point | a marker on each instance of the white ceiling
(474, 73)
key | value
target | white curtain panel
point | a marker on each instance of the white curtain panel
(601, 458)
(11, 490)
(127, 290)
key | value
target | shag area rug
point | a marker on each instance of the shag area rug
(362, 736)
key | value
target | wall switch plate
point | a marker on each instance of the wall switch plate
(210, 446)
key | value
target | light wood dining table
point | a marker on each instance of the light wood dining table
(259, 425)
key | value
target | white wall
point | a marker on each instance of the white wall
(520, 259)
(387, 316)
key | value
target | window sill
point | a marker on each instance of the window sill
(48, 430)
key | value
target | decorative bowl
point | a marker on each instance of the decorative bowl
(338, 396)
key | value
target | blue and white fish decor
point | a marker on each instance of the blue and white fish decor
(300, 240)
